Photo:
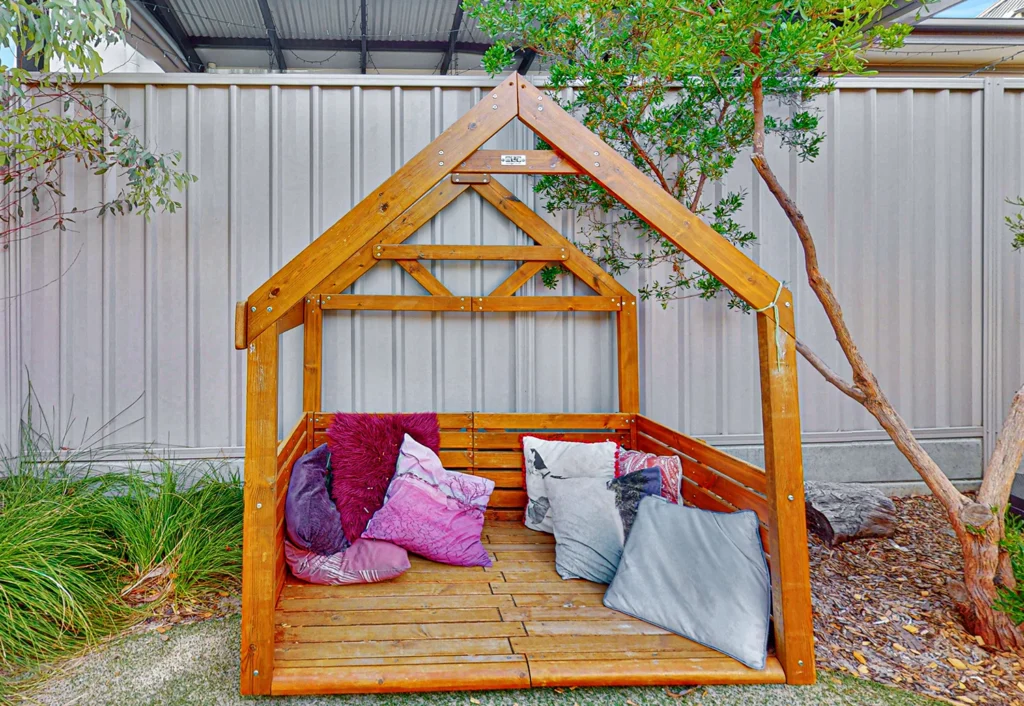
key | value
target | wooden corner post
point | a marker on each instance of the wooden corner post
(258, 537)
(628, 333)
(787, 526)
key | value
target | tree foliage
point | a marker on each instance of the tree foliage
(668, 83)
(50, 121)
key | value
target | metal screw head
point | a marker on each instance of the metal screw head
(494, 107)
(456, 180)
(440, 151)
(791, 497)
(259, 505)
(800, 662)
(597, 164)
(270, 309)
(540, 98)
(494, 95)
(540, 107)
(595, 153)
(440, 164)
(255, 672)
(787, 305)
(254, 309)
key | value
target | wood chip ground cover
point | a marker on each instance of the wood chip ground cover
(882, 612)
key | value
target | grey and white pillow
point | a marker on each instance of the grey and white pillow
(592, 519)
(544, 459)
(699, 574)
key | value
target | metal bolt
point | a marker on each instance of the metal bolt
(540, 107)
(440, 164)
(440, 151)
(255, 672)
(456, 180)
(787, 305)
(800, 662)
(597, 164)
(791, 497)
(595, 153)
(540, 98)
(259, 505)
(494, 95)
(254, 309)
(270, 309)
(494, 107)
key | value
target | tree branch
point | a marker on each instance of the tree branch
(847, 388)
(1006, 457)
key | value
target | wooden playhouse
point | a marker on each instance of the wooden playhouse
(515, 624)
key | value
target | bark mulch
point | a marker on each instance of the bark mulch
(882, 612)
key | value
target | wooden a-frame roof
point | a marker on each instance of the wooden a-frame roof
(419, 189)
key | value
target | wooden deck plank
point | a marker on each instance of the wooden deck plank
(654, 672)
(422, 659)
(564, 600)
(392, 648)
(600, 643)
(399, 678)
(533, 613)
(387, 617)
(523, 552)
(623, 626)
(343, 603)
(536, 538)
(386, 589)
(548, 587)
(418, 631)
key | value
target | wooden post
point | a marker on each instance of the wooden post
(258, 545)
(628, 334)
(787, 526)
(312, 353)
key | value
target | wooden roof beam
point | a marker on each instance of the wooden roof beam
(645, 198)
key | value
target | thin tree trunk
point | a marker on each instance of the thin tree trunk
(979, 525)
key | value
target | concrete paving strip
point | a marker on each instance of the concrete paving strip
(198, 664)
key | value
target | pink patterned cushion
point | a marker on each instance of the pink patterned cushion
(629, 461)
(436, 513)
(366, 561)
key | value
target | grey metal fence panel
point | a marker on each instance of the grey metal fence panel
(120, 309)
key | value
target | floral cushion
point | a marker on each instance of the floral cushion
(366, 561)
(544, 459)
(592, 519)
(671, 470)
(433, 512)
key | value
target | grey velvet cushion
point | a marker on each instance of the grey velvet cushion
(591, 518)
(700, 574)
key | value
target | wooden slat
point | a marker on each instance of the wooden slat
(537, 162)
(501, 539)
(530, 422)
(448, 421)
(694, 652)
(745, 473)
(623, 626)
(499, 459)
(240, 318)
(697, 496)
(508, 499)
(627, 335)
(393, 302)
(397, 231)
(549, 613)
(420, 631)
(650, 672)
(522, 253)
(547, 303)
(531, 223)
(726, 488)
(547, 588)
(598, 643)
(787, 525)
(259, 560)
(580, 598)
(380, 207)
(392, 648)
(517, 279)
(341, 601)
(650, 202)
(547, 573)
(503, 479)
(387, 617)
(461, 440)
(401, 678)
(426, 279)
(510, 440)
(386, 589)
(420, 659)
(294, 438)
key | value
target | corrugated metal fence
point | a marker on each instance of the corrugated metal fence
(907, 200)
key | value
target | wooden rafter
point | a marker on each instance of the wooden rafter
(645, 198)
(517, 279)
(422, 275)
(383, 205)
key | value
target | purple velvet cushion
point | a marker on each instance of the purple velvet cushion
(364, 448)
(311, 519)
(436, 513)
(366, 561)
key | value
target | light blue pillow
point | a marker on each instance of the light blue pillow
(699, 574)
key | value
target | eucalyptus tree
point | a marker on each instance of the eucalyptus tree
(680, 88)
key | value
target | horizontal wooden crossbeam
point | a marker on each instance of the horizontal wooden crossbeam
(523, 253)
(394, 302)
(516, 162)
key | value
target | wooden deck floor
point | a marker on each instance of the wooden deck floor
(513, 625)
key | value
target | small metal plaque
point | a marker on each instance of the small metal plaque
(513, 160)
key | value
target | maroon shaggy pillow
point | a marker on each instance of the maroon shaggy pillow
(364, 450)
